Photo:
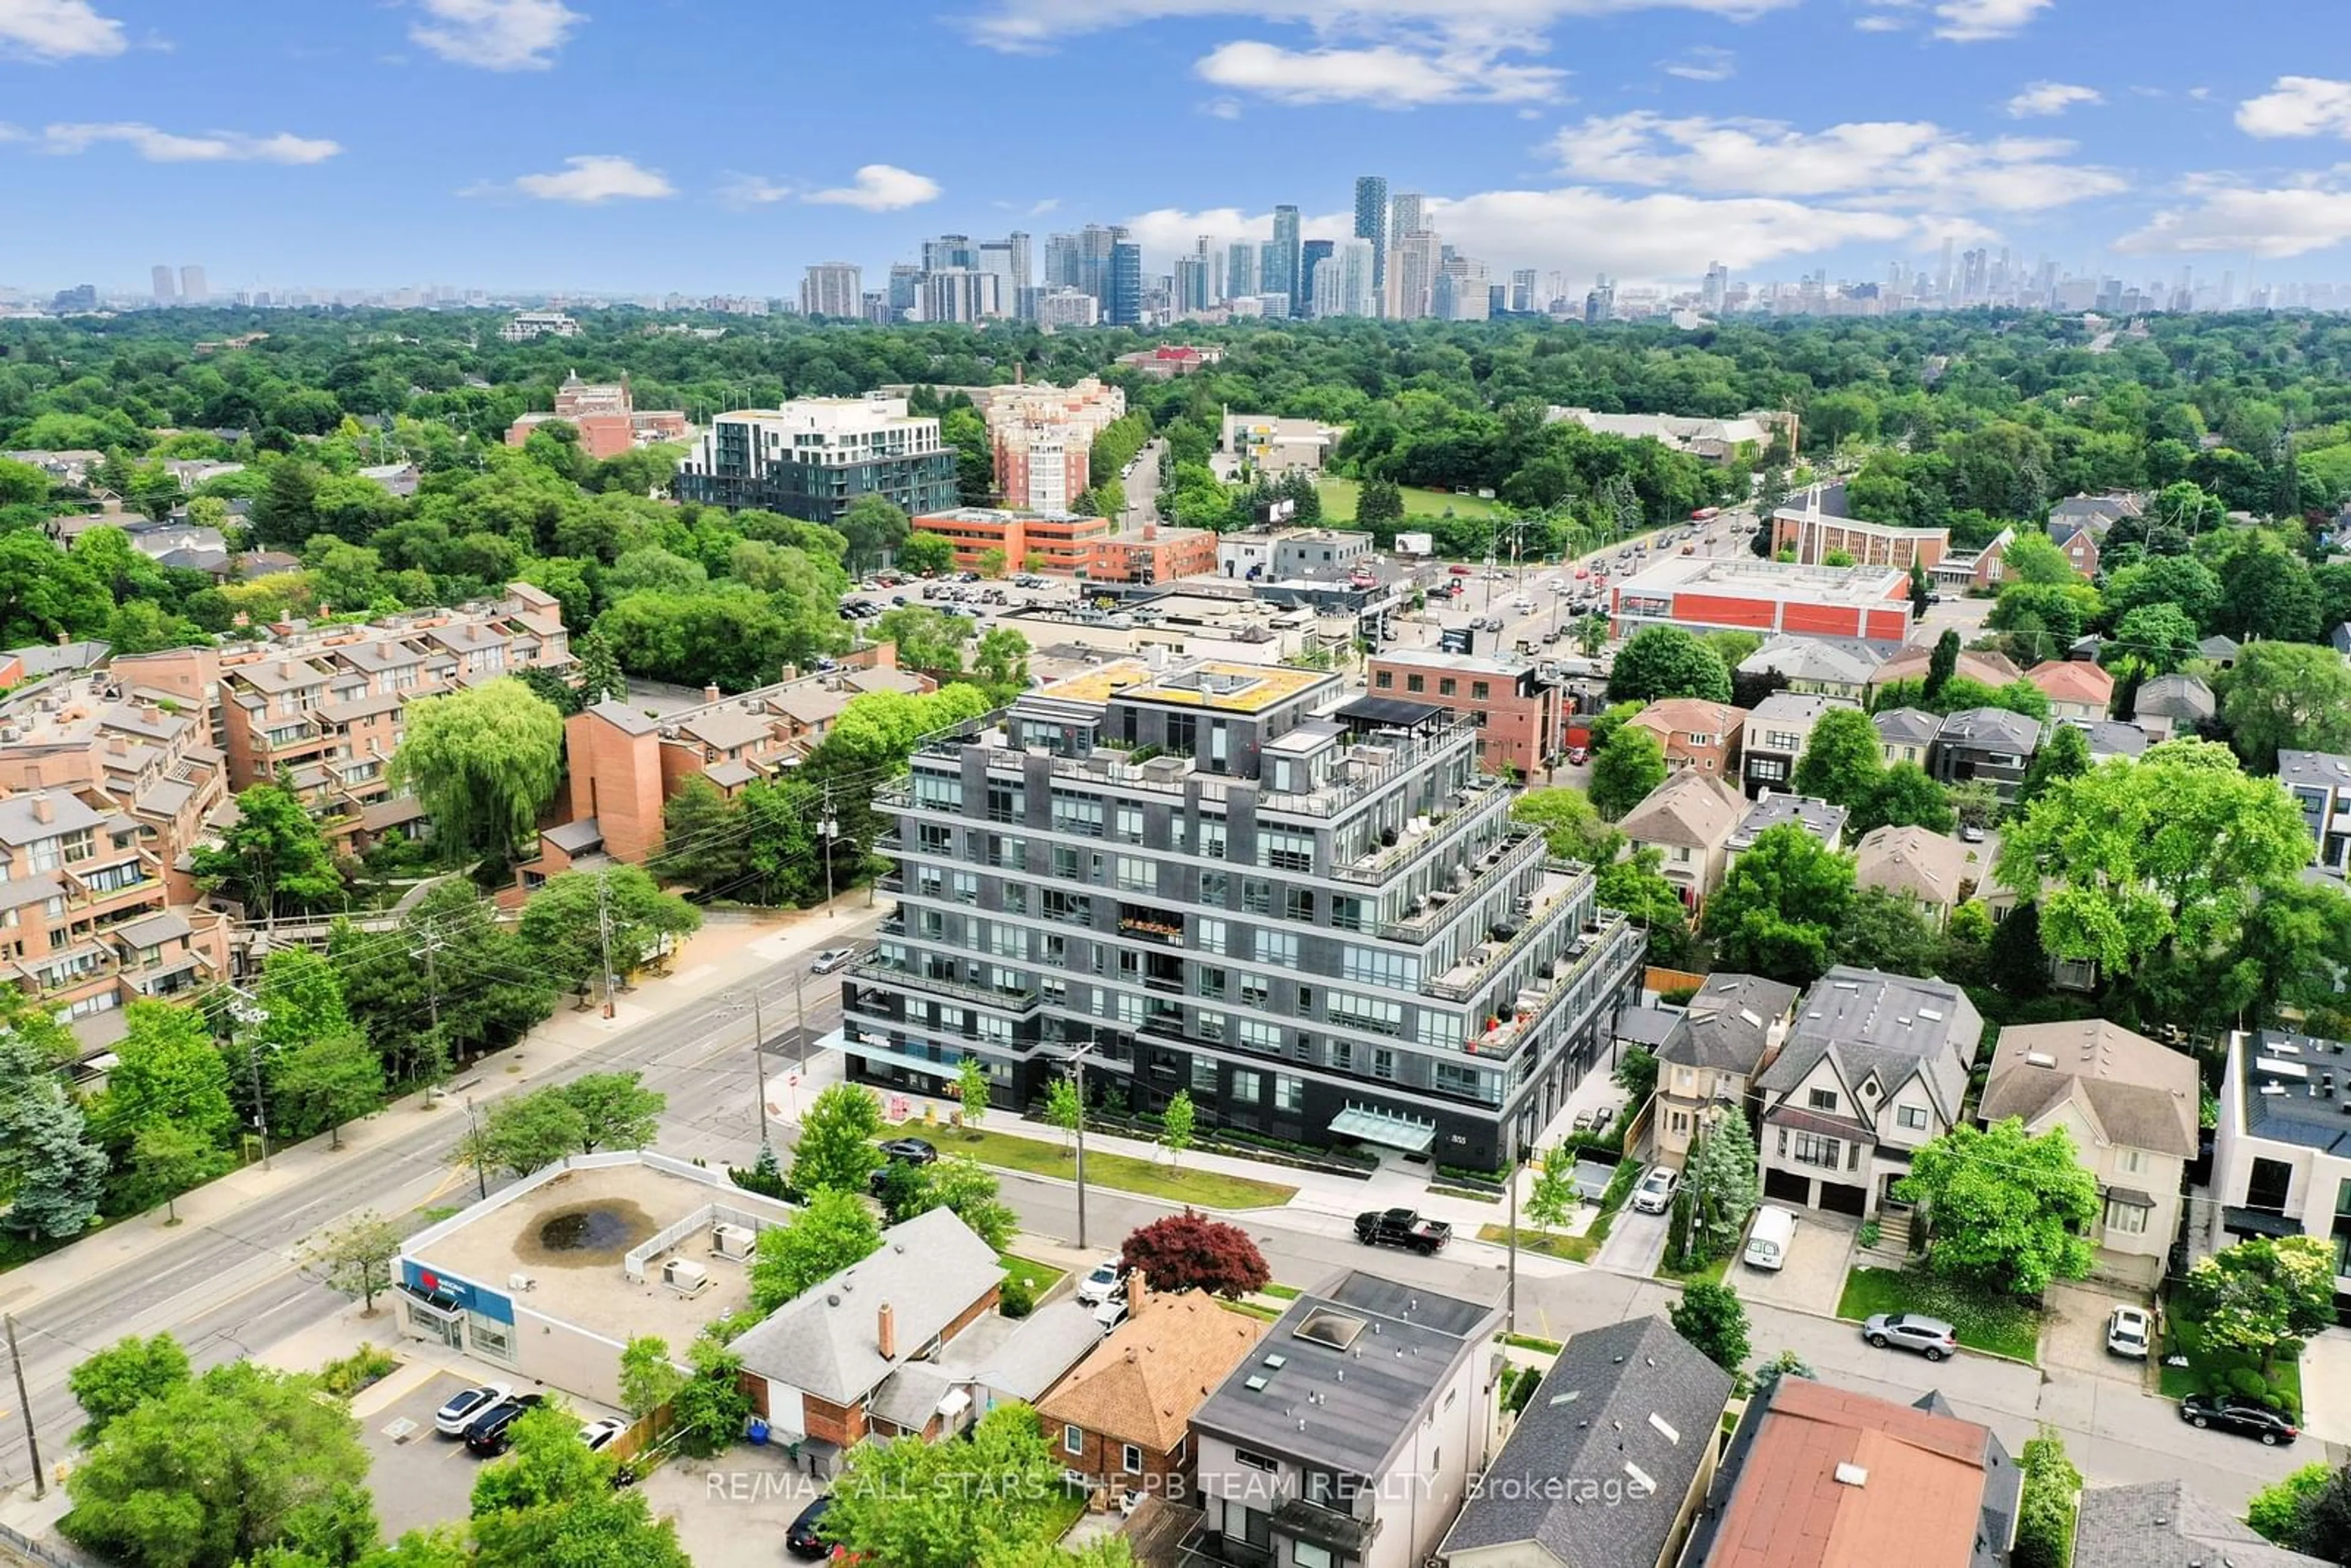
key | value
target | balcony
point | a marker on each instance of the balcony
(1498, 866)
(1592, 952)
(890, 975)
(1463, 981)
(1389, 860)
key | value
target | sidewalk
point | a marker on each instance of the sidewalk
(722, 955)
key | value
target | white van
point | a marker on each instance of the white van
(1774, 1233)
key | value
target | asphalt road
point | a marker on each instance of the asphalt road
(1142, 485)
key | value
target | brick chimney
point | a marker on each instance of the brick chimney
(886, 1331)
(43, 811)
(710, 694)
(1138, 1294)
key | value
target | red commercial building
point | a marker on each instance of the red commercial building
(1061, 543)
(1701, 593)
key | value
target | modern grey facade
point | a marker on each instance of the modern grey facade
(812, 458)
(1314, 915)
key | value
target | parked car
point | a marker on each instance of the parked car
(490, 1433)
(1577, 756)
(832, 958)
(2241, 1416)
(802, 1539)
(1107, 1277)
(1655, 1193)
(452, 1419)
(1110, 1310)
(1931, 1337)
(2126, 1332)
(599, 1434)
(910, 1151)
(1402, 1227)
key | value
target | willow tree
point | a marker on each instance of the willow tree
(484, 762)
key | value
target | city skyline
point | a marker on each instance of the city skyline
(489, 140)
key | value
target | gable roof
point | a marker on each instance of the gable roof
(1927, 866)
(1816, 816)
(1730, 1023)
(1798, 707)
(931, 1270)
(2176, 696)
(1869, 1024)
(2073, 681)
(2162, 1525)
(1990, 730)
(1632, 1404)
(1979, 664)
(1691, 808)
(2108, 737)
(1670, 717)
(1829, 660)
(1907, 726)
(2137, 1094)
(1142, 1384)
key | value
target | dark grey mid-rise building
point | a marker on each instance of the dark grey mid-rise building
(1310, 912)
(1371, 223)
(813, 457)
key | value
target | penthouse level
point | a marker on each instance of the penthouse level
(1314, 913)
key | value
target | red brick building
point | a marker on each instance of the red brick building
(1520, 718)
(1704, 593)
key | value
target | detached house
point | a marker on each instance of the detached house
(1817, 666)
(1121, 1422)
(1730, 1028)
(2075, 688)
(1933, 871)
(1907, 735)
(2281, 1151)
(1873, 1066)
(1986, 745)
(2174, 705)
(2131, 1107)
(1689, 821)
(1696, 734)
(1777, 732)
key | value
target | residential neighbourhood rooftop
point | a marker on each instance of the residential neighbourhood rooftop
(1690, 808)
(1818, 818)
(2296, 1088)
(2165, 1524)
(1731, 1020)
(2138, 1093)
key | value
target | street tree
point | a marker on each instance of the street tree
(1667, 661)
(2275, 1511)
(213, 1471)
(167, 1159)
(650, 1378)
(1843, 760)
(562, 933)
(273, 860)
(1777, 913)
(2287, 696)
(1711, 1317)
(1177, 1123)
(452, 986)
(1572, 826)
(1942, 663)
(971, 1088)
(166, 1070)
(616, 1110)
(1636, 886)
(1635, 1072)
(927, 554)
(1063, 1109)
(524, 1132)
(598, 670)
(2152, 640)
(117, 1380)
(837, 1152)
(551, 1502)
(2044, 1512)
(875, 528)
(1722, 1182)
(927, 640)
(1903, 797)
(1625, 769)
(356, 1257)
(484, 761)
(1552, 1196)
(2005, 1209)
(2263, 1297)
(2166, 853)
(910, 1504)
(1189, 1252)
(833, 1231)
(325, 1082)
(962, 1185)
(51, 1175)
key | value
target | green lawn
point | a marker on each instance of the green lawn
(1042, 1276)
(1528, 1342)
(1067, 1509)
(1575, 1249)
(1984, 1323)
(1339, 502)
(1707, 1273)
(1176, 1183)
(1251, 1310)
(1282, 1292)
(2211, 1371)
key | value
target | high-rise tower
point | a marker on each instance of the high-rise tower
(1371, 223)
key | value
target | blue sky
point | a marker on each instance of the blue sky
(719, 145)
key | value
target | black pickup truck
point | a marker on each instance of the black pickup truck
(1402, 1227)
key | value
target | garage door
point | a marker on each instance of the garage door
(1787, 1187)
(1844, 1197)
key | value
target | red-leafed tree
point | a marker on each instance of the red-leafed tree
(1189, 1252)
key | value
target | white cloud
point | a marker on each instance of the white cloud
(1384, 75)
(2042, 97)
(2298, 105)
(881, 188)
(1039, 208)
(1961, 21)
(57, 30)
(2228, 218)
(743, 192)
(1703, 62)
(1900, 163)
(496, 34)
(159, 146)
(1222, 108)
(1028, 24)
(590, 180)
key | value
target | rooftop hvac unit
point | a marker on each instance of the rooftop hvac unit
(685, 1277)
(732, 1240)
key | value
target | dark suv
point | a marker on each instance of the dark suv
(2241, 1416)
(489, 1433)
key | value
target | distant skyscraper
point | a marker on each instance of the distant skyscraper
(1413, 261)
(165, 289)
(833, 288)
(1404, 216)
(1310, 254)
(1191, 283)
(996, 258)
(1061, 261)
(1717, 288)
(192, 284)
(1284, 277)
(959, 293)
(1241, 270)
(1095, 244)
(1016, 244)
(1371, 223)
(905, 287)
(949, 251)
(1268, 262)
(1343, 281)
(1522, 290)
(1125, 305)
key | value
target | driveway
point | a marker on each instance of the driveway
(2326, 1387)
(734, 1508)
(1813, 1280)
(2073, 1332)
(1636, 1242)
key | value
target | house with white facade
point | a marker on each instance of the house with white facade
(2282, 1149)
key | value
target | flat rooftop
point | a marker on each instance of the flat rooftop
(570, 1232)
(1767, 579)
(2297, 1089)
(1223, 686)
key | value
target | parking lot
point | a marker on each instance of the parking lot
(1814, 1277)
(419, 1476)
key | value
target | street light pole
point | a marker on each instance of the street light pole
(829, 827)
(246, 1011)
(759, 1060)
(1078, 1071)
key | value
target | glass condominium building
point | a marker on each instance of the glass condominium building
(813, 457)
(1309, 910)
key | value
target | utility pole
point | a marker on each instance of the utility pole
(605, 933)
(481, 1177)
(1511, 1278)
(25, 1404)
(250, 1013)
(431, 946)
(829, 827)
(760, 1055)
(1078, 1073)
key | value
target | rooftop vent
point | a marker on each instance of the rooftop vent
(1255, 1384)
(1570, 1397)
(1276, 1362)
(2039, 1058)
(1850, 1475)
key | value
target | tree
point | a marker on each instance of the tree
(326, 1080)
(2325, 1523)
(971, 1088)
(2180, 581)
(873, 527)
(550, 1501)
(1189, 1252)
(1063, 1108)
(710, 1411)
(834, 1230)
(2262, 1297)
(1667, 661)
(1635, 1072)
(1000, 663)
(2153, 640)
(598, 671)
(1379, 505)
(449, 982)
(616, 1111)
(1843, 760)
(210, 1472)
(272, 858)
(2044, 1513)
(927, 554)
(1903, 797)
(2035, 560)
(51, 1175)
(2266, 591)
(1777, 911)
(1714, 1321)
(1552, 1196)
(1571, 827)
(1625, 769)
(356, 1257)
(1921, 590)
(167, 1159)
(910, 1504)
(1887, 930)
(563, 925)
(2064, 755)
(1722, 1182)
(1175, 1124)
(2275, 1511)
(1590, 633)
(525, 1133)
(837, 1150)
(166, 1070)
(1637, 887)
(649, 1377)
(2287, 696)
(2168, 852)
(117, 1380)
(484, 761)
(1787, 1364)
(961, 1184)
(2005, 1210)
